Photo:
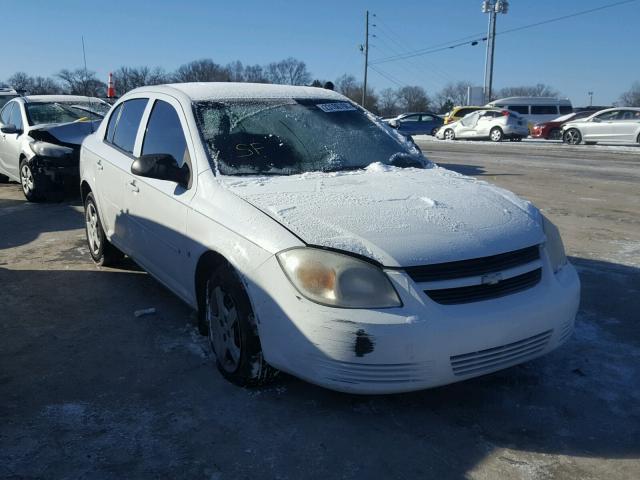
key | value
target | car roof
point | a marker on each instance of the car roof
(59, 98)
(229, 90)
(531, 101)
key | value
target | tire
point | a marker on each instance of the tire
(34, 186)
(555, 134)
(449, 134)
(572, 137)
(434, 131)
(516, 139)
(102, 251)
(496, 134)
(232, 331)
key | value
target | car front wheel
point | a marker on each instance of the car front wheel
(449, 134)
(496, 134)
(102, 251)
(34, 186)
(572, 136)
(232, 330)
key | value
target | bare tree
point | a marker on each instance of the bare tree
(81, 82)
(352, 88)
(413, 99)
(44, 86)
(631, 98)
(20, 81)
(289, 71)
(388, 103)
(454, 92)
(128, 78)
(236, 71)
(205, 70)
(255, 74)
(538, 90)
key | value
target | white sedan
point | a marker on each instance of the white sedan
(618, 125)
(492, 124)
(313, 239)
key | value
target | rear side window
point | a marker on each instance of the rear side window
(5, 115)
(521, 109)
(464, 111)
(164, 133)
(128, 123)
(564, 109)
(544, 110)
(113, 119)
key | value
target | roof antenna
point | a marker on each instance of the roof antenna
(84, 80)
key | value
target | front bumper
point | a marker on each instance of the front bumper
(419, 345)
(57, 169)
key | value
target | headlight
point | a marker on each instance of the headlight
(554, 245)
(45, 149)
(337, 280)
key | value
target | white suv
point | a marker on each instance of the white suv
(494, 125)
(313, 239)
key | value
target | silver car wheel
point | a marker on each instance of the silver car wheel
(93, 238)
(572, 137)
(224, 330)
(448, 134)
(26, 179)
(496, 134)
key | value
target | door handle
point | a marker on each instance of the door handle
(99, 163)
(133, 187)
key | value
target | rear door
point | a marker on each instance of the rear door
(159, 208)
(624, 127)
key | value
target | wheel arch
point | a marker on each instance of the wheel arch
(85, 189)
(208, 261)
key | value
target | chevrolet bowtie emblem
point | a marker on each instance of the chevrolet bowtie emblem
(491, 278)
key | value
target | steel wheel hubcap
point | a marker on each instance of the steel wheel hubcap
(224, 332)
(448, 134)
(495, 135)
(92, 228)
(26, 178)
(572, 137)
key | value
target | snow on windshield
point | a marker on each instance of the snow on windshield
(293, 136)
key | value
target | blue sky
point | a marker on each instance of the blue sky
(594, 52)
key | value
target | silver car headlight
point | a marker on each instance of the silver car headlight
(337, 280)
(554, 245)
(45, 149)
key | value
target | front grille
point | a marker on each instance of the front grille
(499, 357)
(382, 373)
(473, 267)
(476, 293)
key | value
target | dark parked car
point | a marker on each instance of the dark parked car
(553, 130)
(420, 123)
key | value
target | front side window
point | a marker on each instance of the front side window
(292, 136)
(410, 118)
(521, 109)
(16, 116)
(544, 110)
(164, 133)
(5, 114)
(427, 118)
(126, 129)
(608, 116)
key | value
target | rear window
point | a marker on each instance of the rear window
(544, 110)
(564, 109)
(128, 123)
(465, 111)
(522, 109)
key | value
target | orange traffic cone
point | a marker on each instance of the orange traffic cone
(111, 91)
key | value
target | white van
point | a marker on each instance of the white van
(535, 109)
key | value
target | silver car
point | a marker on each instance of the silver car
(611, 125)
(493, 124)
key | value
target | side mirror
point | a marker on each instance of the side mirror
(161, 166)
(10, 129)
(394, 123)
(596, 120)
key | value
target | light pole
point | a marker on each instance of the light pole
(590, 93)
(492, 7)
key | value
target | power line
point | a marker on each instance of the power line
(387, 76)
(464, 40)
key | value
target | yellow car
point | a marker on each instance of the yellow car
(457, 113)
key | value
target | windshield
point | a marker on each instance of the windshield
(58, 112)
(288, 136)
(5, 98)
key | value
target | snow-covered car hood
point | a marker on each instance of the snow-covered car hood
(396, 216)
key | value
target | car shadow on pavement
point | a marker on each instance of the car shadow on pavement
(89, 387)
(474, 170)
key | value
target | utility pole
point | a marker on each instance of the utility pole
(492, 7)
(366, 58)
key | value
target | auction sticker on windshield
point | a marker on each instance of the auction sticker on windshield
(336, 107)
